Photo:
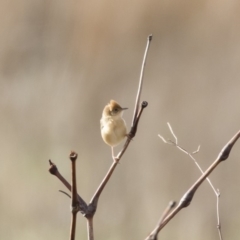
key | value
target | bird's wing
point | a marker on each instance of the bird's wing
(101, 124)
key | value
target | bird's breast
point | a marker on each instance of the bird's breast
(113, 131)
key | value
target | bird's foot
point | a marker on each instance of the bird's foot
(115, 159)
(130, 136)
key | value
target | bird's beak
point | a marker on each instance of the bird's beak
(124, 108)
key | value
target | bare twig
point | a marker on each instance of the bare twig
(73, 225)
(96, 195)
(74, 204)
(65, 193)
(153, 235)
(175, 143)
(54, 171)
(135, 120)
(90, 228)
(141, 81)
(219, 227)
(171, 130)
(188, 196)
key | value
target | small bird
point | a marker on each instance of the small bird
(113, 126)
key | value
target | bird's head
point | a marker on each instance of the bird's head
(113, 109)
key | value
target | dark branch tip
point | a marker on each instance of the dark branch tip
(150, 37)
(144, 104)
(224, 154)
(53, 168)
(172, 204)
(73, 156)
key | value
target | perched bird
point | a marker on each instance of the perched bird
(113, 126)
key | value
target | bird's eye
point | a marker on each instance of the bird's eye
(115, 111)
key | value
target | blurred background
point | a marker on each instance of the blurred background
(62, 61)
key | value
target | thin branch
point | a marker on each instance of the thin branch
(73, 225)
(175, 143)
(90, 228)
(153, 235)
(74, 203)
(188, 196)
(132, 133)
(54, 171)
(171, 130)
(100, 188)
(218, 217)
(141, 80)
(73, 157)
(65, 193)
